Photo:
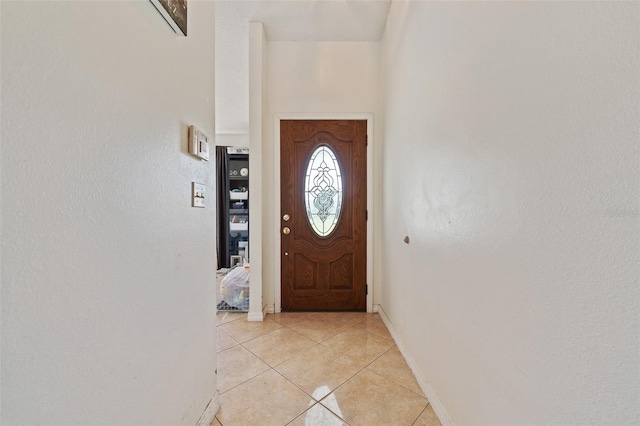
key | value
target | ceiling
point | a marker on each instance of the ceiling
(283, 20)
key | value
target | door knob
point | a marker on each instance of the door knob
(286, 230)
(286, 217)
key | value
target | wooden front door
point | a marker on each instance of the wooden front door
(323, 215)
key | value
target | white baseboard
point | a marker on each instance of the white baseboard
(210, 411)
(259, 316)
(255, 316)
(435, 402)
(376, 308)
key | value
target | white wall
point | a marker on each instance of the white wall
(318, 78)
(511, 160)
(108, 274)
(232, 68)
(257, 102)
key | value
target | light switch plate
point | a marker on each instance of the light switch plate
(197, 194)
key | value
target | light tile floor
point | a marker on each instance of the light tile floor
(315, 369)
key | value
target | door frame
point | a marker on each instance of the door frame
(276, 185)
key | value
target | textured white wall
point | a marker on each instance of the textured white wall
(232, 66)
(108, 274)
(313, 77)
(511, 160)
(257, 102)
(283, 21)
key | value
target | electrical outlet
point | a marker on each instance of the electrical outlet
(197, 194)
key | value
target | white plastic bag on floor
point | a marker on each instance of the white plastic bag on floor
(235, 287)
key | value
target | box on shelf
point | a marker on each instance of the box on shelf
(239, 195)
(238, 226)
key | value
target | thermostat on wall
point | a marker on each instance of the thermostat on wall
(198, 143)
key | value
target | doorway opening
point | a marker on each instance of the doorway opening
(232, 216)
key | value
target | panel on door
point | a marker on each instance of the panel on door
(323, 214)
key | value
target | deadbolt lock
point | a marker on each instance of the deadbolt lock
(286, 217)
(286, 230)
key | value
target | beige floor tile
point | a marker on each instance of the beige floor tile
(317, 330)
(384, 393)
(224, 317)
(286, 318)
(317, 415)
(346, 339)
(366, 400)
(359, 345)
(319, 371)
(223, 341)
(243, 331)
(427, 418)
(267, 399)
(393, 366)
(349, 318)
(279, 345)
(237, 365)
(374, 324)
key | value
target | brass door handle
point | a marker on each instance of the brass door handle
(286, 230)
(286, 217)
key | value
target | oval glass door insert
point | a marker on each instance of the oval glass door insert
(323, 191)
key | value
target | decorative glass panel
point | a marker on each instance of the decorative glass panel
(323, 191)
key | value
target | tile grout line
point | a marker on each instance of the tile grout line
(421, 413)
(393, 381)
(251, 378)
(331, 411)
(326, 408)
(262, 360)
(352, 376)
(315, 402)
(221, 424)
(298, 387)
(269, 365)
(303, 391)
(399, 384)
(223, 332)
(226, 322)
(337, 353)
(373, 372)
(280, 363)
(253, 338)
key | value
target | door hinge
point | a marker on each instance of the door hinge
(366, 138)
(366, 214)
(367, 289)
